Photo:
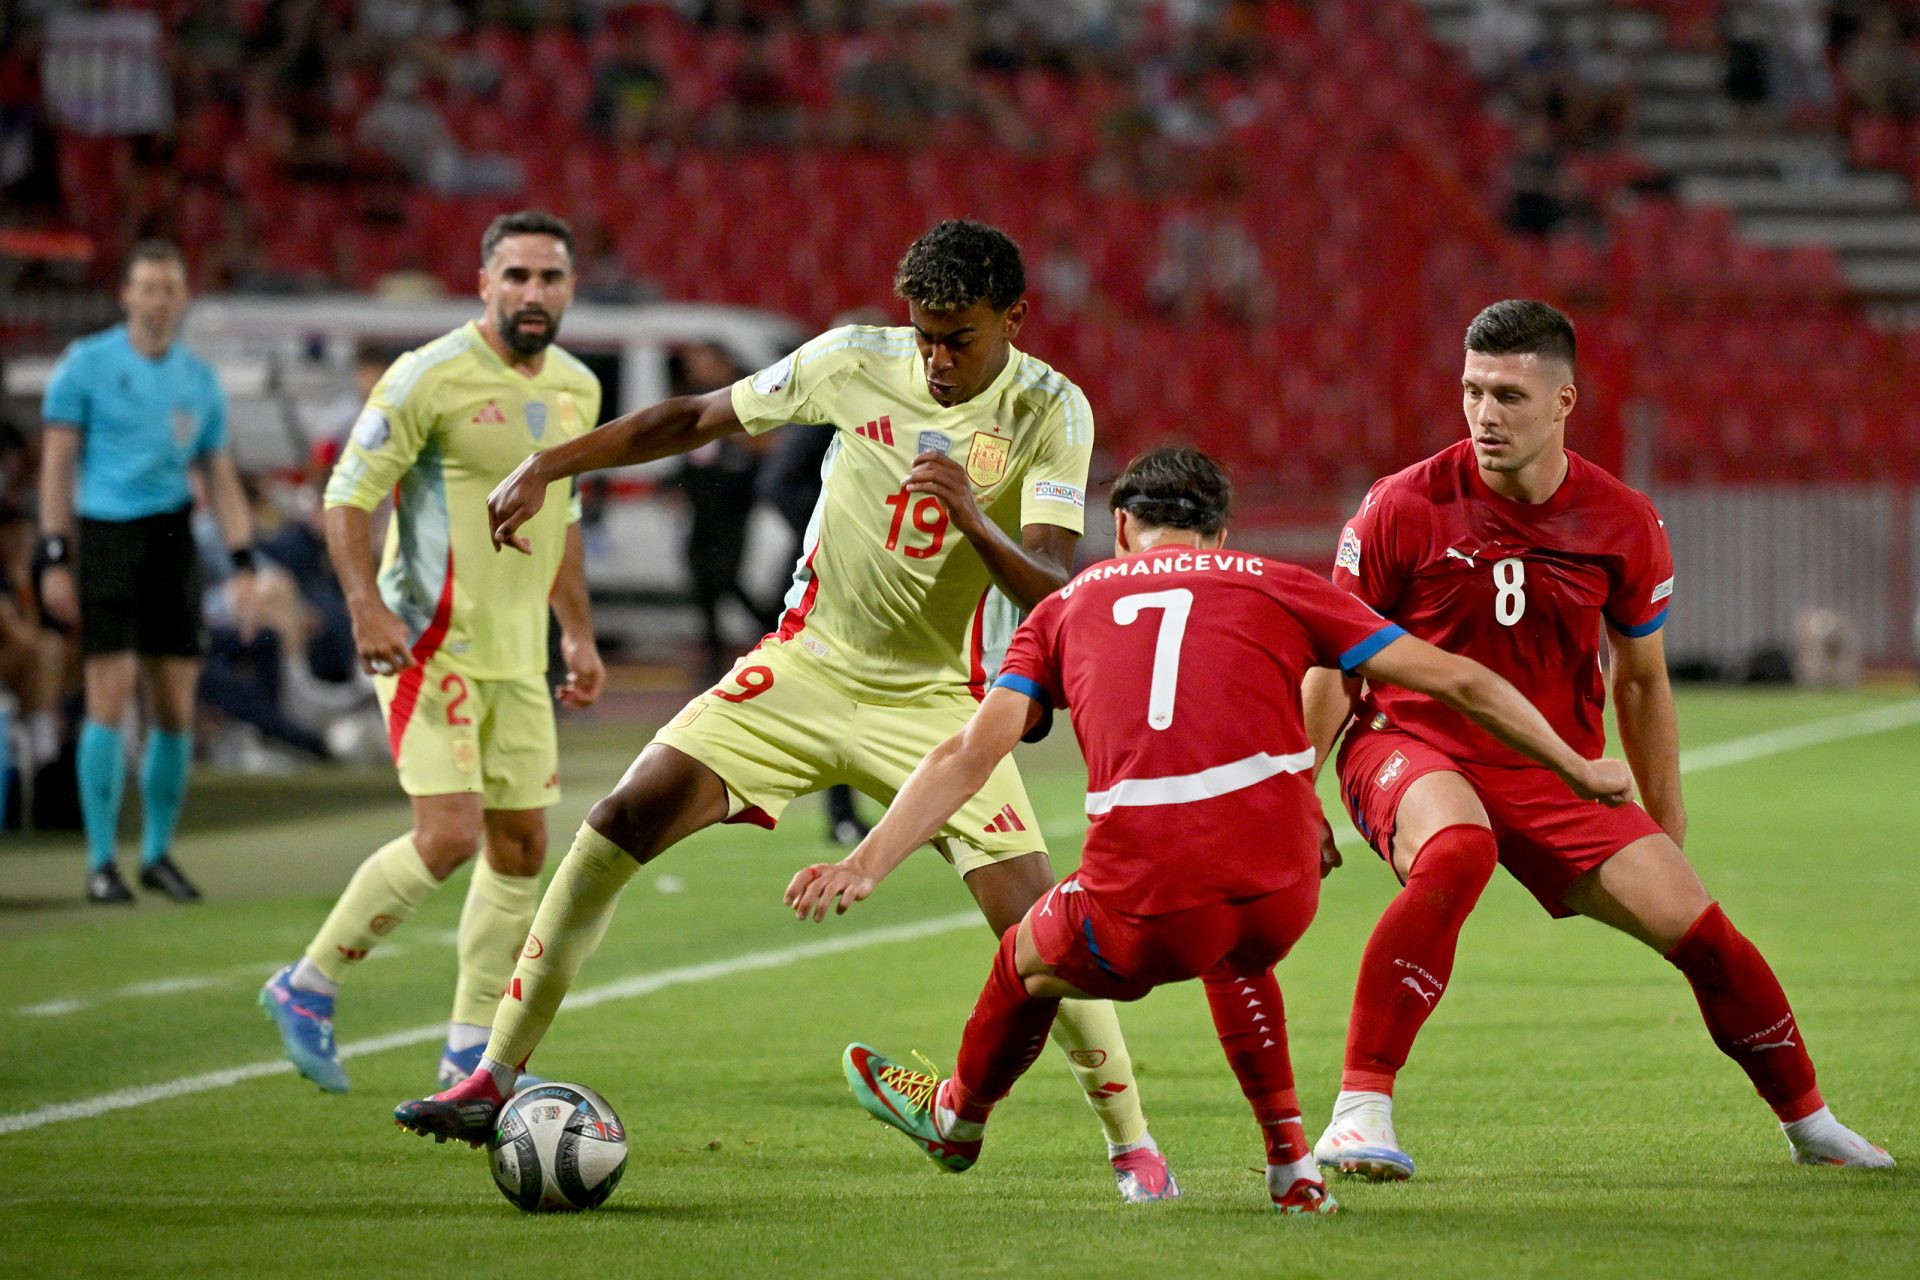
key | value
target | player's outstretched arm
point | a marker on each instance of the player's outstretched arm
(1499, 708)
(1649, 732)
(661, 430)
(950, 776)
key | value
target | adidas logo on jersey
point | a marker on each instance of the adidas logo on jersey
(880, 429)
(1006, 820)
(490, 415)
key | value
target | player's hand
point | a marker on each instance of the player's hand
(380, 638)
(585, 672)
(1608, 781)
(243, 599)
(59, 598)
(1329, 851)
(936, 474)
(513, 502)
(824, 884)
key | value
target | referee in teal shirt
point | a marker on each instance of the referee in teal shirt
(128, 411)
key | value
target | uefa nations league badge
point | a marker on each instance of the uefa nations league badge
(537, 418)
(934, 442)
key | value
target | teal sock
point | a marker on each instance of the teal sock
(163, 788)
(102, 775)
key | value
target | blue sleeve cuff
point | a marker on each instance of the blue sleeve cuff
(1352, 658)
(1021, 684)
(1646, 628)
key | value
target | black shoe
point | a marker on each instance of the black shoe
(105, 885)
(162, 876)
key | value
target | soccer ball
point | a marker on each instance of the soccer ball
(557, 1148)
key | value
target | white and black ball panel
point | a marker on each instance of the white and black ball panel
(557, 1147)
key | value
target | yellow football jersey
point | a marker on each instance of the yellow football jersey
(887, 596)
(444, 425)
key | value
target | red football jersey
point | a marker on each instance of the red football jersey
(1182, 669)
(1520, 587)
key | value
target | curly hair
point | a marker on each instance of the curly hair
(1175, 488)
(959, 263)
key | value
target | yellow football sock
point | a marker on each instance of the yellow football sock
(381, 895)
(1089, 1033)
(493, 929)
(573, 917)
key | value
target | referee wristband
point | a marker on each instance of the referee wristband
(52, 549)
(242, 559)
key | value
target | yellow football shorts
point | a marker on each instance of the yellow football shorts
(452, 734)
(774, 729)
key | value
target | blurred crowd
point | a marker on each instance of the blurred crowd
(371, 94)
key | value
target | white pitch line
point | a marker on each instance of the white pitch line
(1811, 733)
(1714, 756)
(626, 989)
(174, 986)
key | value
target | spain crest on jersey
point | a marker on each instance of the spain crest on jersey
(566, 416)
(987, 460)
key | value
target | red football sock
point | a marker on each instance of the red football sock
(1747, 1013)
(1409, 959)
(1252, 1022)
(1004, 1035)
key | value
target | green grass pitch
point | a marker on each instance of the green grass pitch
(1568, 1113)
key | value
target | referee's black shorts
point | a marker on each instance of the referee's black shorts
(139, 586)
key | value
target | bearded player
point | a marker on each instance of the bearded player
(954, 494)
(456, 637)
(1181, 661)
(1510, 549)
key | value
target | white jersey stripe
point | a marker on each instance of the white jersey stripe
(1222, 779)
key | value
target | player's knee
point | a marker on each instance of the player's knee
(633, 817)
(445, 849)
(518, 853)
(1464, 853)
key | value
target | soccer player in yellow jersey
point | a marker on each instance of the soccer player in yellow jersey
(954, 494)
(456, 636)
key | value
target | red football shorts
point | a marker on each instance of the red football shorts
(1548, 837)
(1118, 956)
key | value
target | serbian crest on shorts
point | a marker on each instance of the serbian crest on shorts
(537, 418)
(987, 460)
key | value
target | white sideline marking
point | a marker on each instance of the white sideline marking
(1811, 733)
(193, 982)
(1714, 756)
(626, 989)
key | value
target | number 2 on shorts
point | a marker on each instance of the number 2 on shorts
(1174, 606)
